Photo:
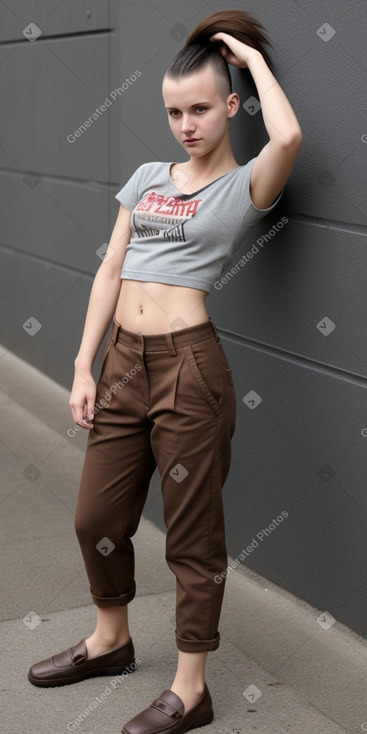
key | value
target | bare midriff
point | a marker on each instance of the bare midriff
(155, 308)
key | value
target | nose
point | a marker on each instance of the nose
(187, 125)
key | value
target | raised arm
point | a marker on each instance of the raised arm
(276, 160)
(102, 303)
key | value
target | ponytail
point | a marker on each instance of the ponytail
(199, 50)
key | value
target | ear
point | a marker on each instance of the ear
(233, 103)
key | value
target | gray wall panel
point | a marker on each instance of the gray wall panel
(294, 278)
(59, 84)
(53, 18)
(36, 291)
(302, 449)
(59, 220)
(326, 84)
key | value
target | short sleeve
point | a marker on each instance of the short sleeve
(129, 195)
(249, 212)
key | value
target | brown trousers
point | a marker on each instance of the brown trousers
(163, 400)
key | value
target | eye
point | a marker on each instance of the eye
(174, 113)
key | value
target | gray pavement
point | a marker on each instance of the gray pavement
(298, 675)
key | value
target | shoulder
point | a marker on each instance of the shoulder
(241, 176)
(247, 167)
(149, 170)
(243, 173)
(152, 166)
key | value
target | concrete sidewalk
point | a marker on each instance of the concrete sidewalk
(297, 675)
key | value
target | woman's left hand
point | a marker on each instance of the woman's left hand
(235, 52)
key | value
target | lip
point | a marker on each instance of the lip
(191, 140)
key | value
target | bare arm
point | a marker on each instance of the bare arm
(102, 303)
(276, 160)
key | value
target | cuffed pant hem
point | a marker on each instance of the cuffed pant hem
(197, 645)
(114, 601)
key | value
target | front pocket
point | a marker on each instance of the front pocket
(229, 375)
(205, 369)
(105, 354)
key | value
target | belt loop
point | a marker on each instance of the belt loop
(115, 331)
(171, 347)
(214, 329)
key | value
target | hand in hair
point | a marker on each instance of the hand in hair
(235, 52)
(226, 25)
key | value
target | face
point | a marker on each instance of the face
(197, 108)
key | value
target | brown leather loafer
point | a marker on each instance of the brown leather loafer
(167, 714)
(73, 665)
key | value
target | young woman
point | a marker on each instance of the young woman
(165, 396)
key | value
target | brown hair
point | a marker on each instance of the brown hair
(200, 51)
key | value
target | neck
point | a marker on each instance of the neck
(220, 158)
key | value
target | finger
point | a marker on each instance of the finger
(90, 410)
(217, 36)
(78, 414)
(86, 424)
(223, 48)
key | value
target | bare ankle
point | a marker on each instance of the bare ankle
(189, 694)
(99, 645)
(111, 632)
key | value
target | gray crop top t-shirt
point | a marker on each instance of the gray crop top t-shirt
(186, 239)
